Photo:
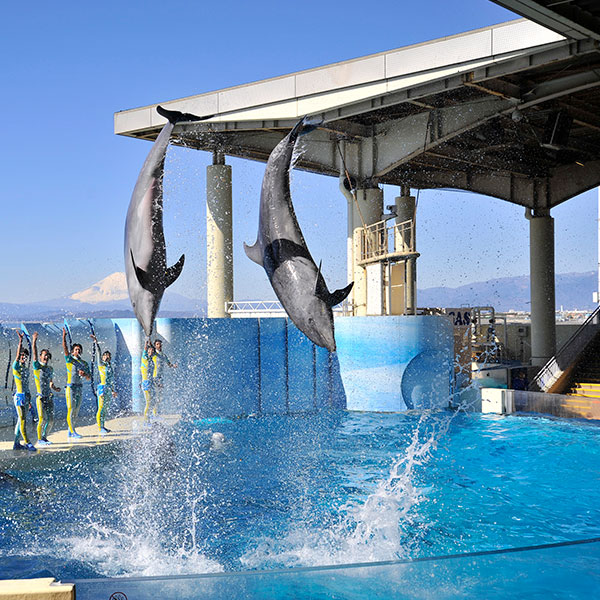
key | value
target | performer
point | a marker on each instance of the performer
(106, 388)
(43, 375)
(77, 368)
(159, 359)
(21, 376)
(146, 369)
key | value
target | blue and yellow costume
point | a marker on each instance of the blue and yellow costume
(158, 359)
(105, 390)
(21, 377)
(74, 389)
(43, 375)
(146, 368)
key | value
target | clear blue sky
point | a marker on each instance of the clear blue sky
(67, 179)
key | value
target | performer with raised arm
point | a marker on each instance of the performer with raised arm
(21, 376)
(77, 369)
(43, 375)
(106, 388)
(146, 367)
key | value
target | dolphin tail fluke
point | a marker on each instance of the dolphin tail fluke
(174, 272)
(304, 125)
(174, 116)
(254, 253)
(339, 295)
(142, 276)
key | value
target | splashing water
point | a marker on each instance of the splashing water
(146, 538)
(385, 526)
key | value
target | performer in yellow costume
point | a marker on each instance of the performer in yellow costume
(106, 388)
(43, 375)
(160, 359)
(21, 376)
(146, 367)
(77, 370)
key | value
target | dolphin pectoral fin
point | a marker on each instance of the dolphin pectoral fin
(339, 295)
(142, 276)
(254, 253)
(174, 272)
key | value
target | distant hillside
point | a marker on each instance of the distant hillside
(573, 291)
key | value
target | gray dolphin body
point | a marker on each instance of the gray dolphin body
(281, 250)
(145, 251)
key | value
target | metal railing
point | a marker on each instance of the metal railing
(273, 308)
(381, 240)
(552, 371)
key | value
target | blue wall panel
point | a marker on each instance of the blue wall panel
(218, 374)
(273, 366)
(324, 380)
(395, 363)
(300, 371)
(235, 367)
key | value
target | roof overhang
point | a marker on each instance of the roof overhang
(511, 111)
(575, 19)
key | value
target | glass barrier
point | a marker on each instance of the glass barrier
(551, 571)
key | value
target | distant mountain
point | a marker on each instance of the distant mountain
(107, 298)
(109, 289)
(573, 291)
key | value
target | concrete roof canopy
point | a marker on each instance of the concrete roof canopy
(509, 111)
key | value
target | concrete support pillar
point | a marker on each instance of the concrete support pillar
(366, 210)
(135, 339)
(406, 240)
(543, 308)
(219, 237)
(345, 188)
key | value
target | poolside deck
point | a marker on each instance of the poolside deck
(121, 428)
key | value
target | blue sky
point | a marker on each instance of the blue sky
(67, 179)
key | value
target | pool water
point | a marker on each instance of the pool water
(285, 491)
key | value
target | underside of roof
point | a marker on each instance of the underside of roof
(575, 19)
(517, 123)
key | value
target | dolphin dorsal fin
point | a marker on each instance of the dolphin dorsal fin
(174, 272)
(339, 295)
(321, 290)
(142, 276)
(254, 253)
(316, 290)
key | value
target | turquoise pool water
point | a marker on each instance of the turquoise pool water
(301, 491)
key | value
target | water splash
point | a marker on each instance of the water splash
(385, 526)
(139, 540)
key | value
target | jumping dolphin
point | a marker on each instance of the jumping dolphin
(145, 251)
(281, 250)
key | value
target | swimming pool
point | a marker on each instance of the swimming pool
(331, 488)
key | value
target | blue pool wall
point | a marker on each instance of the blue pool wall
(235, 367)
(391, 364)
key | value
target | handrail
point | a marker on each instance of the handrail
(549, 368)
(272, 306)
(379, 240)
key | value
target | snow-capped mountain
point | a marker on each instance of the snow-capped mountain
(107, 298)
(109, 289)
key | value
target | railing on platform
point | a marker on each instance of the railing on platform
(553, 370)
(380, 240)
(273, 308)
